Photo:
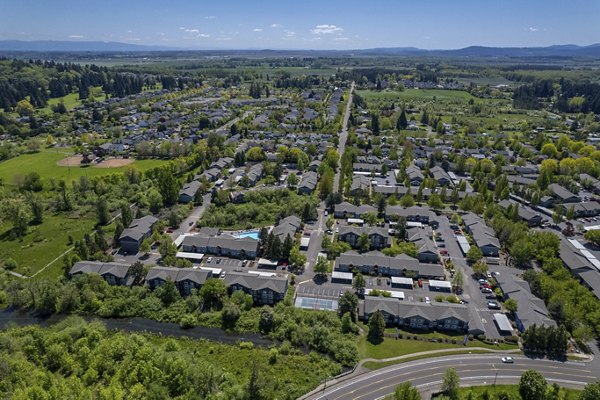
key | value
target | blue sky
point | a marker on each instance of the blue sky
(305, 24)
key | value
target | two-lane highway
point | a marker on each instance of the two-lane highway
(480, 369)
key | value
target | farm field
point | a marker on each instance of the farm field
(45, 164)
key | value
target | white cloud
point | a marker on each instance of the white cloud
(226, 38)
(257, 30)
(533, 29)
(290, 33)
(203, 35)
(340, 39)
(326, 29)
(276, 25)
(76, 36)
(129, 31)
(210, 17)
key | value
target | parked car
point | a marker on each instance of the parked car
(444, 252)
(482, 281)
(463, 301)
(427, 300)
(493, 305)
(209, 259)
(486, 290)
(490, 296)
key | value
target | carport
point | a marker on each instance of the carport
(503, 323)
(440, 286)
(402, 282)
(341, 277)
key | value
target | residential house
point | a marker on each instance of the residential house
(265, 290)
(347, 210)
(417, 316)
(415, 175)
(139, 229)
(375, 262)
(440, 176)
(379, 238)
(482, 234)
(360, 186)
(413, 214)
(186, 279)
(426, 249)
(288, 226)
(308, 184)
(221, 245)
(527, 214)
(188, 192)
(113, 273)
(531, 309)
(562, 195)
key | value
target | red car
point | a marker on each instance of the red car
(444, 252)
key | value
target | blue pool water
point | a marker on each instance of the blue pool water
(253, 235)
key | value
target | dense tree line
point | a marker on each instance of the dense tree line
(211, 306)
(41, 80)
(546, 339)
(75, 359)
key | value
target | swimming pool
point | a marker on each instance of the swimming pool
(249, 234)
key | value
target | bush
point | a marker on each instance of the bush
(10, 264)
(246, 345)
(187, 321)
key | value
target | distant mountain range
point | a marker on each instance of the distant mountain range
(568, 50)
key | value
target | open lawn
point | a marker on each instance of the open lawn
(45, 163)
(43, 243)
(72, 100)
(391, 347)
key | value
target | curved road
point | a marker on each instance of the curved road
(475, 369)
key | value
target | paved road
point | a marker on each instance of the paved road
(188, 224)
(473, 369)
(343, 138)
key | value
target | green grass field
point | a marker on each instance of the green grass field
(43, 243)
(45, 163)
(72, 100)
(393, 348)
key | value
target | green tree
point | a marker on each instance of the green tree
(532, 386)
(230, 315)
(18, 213)
(322, 266)
(474, 254)
(593, 236)
(37, 208)
(402, 122)
(102, 212)
(480, 268)
(126, 215)
(407, 200)
(146, 246)
(458, 281)
(511, 305)
(358, 283)
(168, 293)
(213, 294)
(167, 248)
(375, 124)
(376, 327)
(296, 258)
(435, 201)
(364, 243)
(591, 391)
(155, 200)
(405, 391)
(451, 383)
(348, 304)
